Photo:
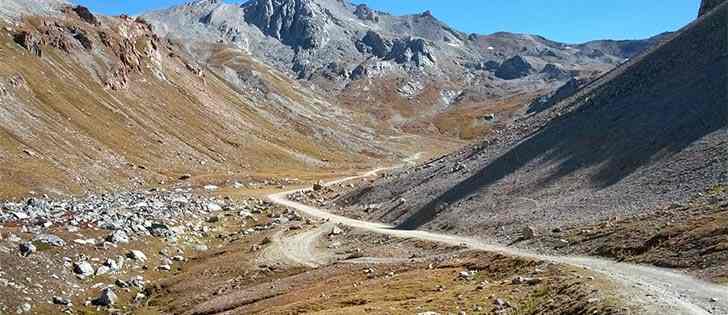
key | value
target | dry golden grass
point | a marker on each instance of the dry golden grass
(467, 120)
(85, 137)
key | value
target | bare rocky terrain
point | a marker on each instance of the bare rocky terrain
(412, 73)
(158, 164)
(650, 133)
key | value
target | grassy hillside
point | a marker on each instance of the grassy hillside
(111, 105)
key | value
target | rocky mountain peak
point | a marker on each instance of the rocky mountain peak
(514, 68)
(296, 23)
(85, 14)
(365, 13)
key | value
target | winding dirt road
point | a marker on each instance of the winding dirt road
(659, 291)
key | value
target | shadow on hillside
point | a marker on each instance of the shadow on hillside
(654, 109)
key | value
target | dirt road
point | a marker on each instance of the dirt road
(660, 291)
(302, 249)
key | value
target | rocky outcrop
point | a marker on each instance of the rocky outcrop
(565, 91)
(30, 42)
(514, 68)
(195, 69)
(707, 5)
(83, 39)
(555, 72)
(401, 50)
(373, 43)
(296, 23)
(85, 14)
(365, 13)
(412, 49)
(11, 84)
(132, 55)
(57, 35)
(371, 69)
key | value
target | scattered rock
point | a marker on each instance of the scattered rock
(139, 298)
(213, 207)
(318, 186)
(137, 282)
(121, 284)
(118, 237)
(200, 248)
(137, 255)
(50, 239)
(281, 220)
(27, 248)
(161, 230)
(211, 187)
(83, 269)
(106, 298)
(113, 264)
(336, 230)
(24, 308)
(528, 233)
(466, 275)
(61, 300)
(529, 281)
(501, 303)
(214, 219)
(103, 270)
(185, 177)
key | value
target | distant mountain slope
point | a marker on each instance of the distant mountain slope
(418, 66)
(15, 9)
(92, 103)
(652, 132)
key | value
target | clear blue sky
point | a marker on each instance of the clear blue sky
(568, 21)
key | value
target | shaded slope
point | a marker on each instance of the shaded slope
(651, 132)
(707, 5)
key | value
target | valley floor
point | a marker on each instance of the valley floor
(247, 255)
